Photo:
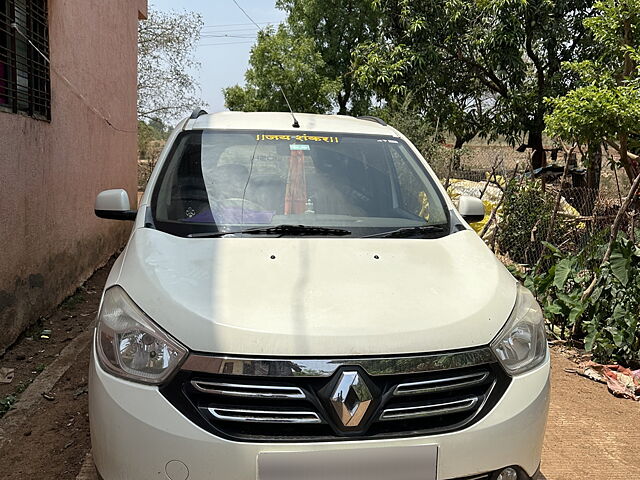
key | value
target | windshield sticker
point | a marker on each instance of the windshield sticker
(300, 138)
(297, 146)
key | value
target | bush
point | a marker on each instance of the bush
(151, 139)
(526, 217)
(608, 319)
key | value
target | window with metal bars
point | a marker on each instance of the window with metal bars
(24, 73)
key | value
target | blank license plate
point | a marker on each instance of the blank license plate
(387, 463)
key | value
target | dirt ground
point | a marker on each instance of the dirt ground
(53, 442)
(591, 435)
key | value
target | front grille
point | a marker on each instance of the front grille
(248, 391)
(249, 407)
(254, 415)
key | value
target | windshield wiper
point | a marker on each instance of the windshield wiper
(407, 232)
(281, 230)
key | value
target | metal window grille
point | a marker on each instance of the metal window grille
(24, 75)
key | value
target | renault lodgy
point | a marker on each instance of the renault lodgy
(301, 300)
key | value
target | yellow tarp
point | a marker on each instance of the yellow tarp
(491, 199)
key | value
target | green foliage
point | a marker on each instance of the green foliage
(605, 106)
(336, 28)
(167, 88)
(608, 26)
(594, 112)
(280, 60)
(150, 134)
(609, 317)
(245, 99)
(6, 403)
(526, 216)
(75, 299)
(480, 66)
(418, 129)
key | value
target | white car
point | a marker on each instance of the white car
(305, 302)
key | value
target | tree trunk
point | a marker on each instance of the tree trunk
(344, 96)
(594, 167)
(461, 139)
(455, 165)
(342, 103)
(538, 158)
(629, 164)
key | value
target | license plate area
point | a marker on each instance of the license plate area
(397, 463)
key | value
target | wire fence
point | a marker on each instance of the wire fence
(527, 210)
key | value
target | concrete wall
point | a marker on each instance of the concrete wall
(50, 173)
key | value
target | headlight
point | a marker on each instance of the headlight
(522, 343)
(130, 345)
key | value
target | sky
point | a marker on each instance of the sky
(223, 57)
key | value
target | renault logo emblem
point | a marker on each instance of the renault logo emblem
(351, 399)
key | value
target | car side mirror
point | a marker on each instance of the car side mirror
(114, 205)
(471, 208)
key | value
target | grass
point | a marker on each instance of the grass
(34, 329)
(75, 299)
(6, 403)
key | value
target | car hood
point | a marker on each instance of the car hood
(319, 296)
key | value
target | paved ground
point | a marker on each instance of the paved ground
(591, 435)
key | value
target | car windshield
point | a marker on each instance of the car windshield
(221, 181)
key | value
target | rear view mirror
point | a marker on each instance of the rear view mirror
(114, 204)
(471, 208)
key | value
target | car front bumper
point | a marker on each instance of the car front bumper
(137, 434)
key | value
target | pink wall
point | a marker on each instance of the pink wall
(51, 172)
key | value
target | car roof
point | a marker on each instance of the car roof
(282, 121)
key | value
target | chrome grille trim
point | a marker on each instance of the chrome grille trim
(248, 390)
(444, 408)
(307, 367)
(264, 416)
(441, 384)
(217, 394)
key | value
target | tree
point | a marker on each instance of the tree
(166, 86)
(491, 61)
(151, 134)
(420, 131)
(605, 107)
(281, 62)
(337, 27)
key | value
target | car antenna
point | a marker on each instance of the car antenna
(295, 121)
